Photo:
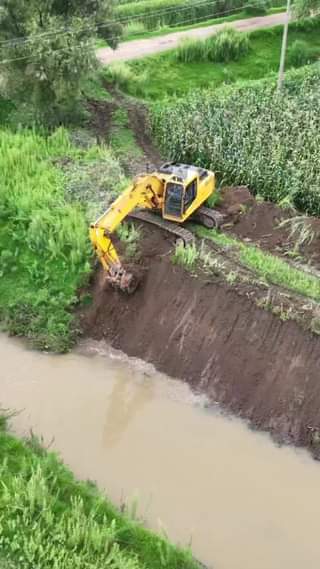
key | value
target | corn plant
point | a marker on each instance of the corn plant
(251, 135)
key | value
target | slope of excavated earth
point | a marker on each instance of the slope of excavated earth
(215, 337)
(262, 223)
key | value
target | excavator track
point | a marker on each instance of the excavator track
(210, 218)
(180, 232)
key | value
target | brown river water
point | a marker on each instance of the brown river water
(201, 477)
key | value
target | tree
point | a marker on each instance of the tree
(47, 47)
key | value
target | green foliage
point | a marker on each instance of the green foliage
(262, 59)
(305, 8)
(43, 68)
(300, 53)
(157, 13)
(133, 28)
(252, 136)
(121, 75)
(130, 235)
(227, 45)
(43, 240)
(49, 520)
(257, 8)
(185, 255)
(269, 267)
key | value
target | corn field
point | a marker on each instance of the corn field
(250, 135)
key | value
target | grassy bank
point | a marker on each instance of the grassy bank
(49, 520)
(146, 77)
(45, 208)
(249, 135)
(266, 266)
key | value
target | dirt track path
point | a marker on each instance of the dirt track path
(141, 48)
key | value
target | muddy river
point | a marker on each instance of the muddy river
(203, 478)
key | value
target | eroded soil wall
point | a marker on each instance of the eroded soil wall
(219, 341)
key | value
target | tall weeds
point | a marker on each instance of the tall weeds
(44, 246)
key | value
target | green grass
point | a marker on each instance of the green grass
(122, 138)
(185, 256)
(44, 248)
(165, 76)
(49, 520)
(269, 267)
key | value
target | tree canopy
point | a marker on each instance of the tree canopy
(48, 46)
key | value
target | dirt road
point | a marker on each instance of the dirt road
(141, 48)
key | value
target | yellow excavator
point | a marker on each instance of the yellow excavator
(166, 198)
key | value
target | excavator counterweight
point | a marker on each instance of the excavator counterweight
(176, 192)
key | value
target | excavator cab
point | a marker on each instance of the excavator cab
(178, 198)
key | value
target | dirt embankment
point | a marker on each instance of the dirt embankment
(214, 335)
(216, 338)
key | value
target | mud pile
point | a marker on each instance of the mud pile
(218, 340)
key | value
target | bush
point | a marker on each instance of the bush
(299, 54)
(227, 45)
(191, 50)
(252, 136)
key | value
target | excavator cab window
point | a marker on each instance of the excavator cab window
(190, 195)
(174, 199)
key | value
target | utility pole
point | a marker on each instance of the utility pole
(284, 47)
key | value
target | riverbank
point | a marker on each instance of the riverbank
(188, 471)
(49, 519)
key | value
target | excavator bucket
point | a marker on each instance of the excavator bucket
(123, 280)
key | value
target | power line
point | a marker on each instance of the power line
(22, 40)
(31, 57)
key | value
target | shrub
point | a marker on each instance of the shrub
(299, 54)
(227, 45)
(251, 135)
(191, 50)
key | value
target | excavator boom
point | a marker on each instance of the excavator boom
(144, 192)
(176, 191)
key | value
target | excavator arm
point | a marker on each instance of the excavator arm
(145, 192)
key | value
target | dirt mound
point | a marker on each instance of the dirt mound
(216, 338)
(261, 223)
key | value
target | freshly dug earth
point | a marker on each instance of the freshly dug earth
(261, 223)
(215, 337)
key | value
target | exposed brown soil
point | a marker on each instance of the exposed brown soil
(214, 336)
(260, 223)
(101, 118)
